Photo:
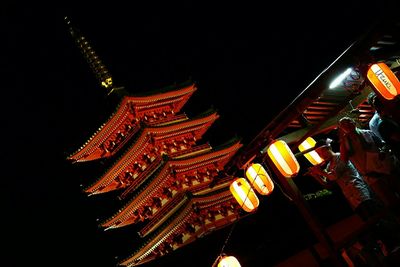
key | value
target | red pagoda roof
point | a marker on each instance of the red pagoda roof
(194, 216)
(188, 174)
(144, 156)
(125, 121)
(172, 206)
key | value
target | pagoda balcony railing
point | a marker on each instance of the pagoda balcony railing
(159, 215)
(153, 166)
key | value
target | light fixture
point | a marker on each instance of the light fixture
(260, 179)
(244, 194)
(339, 79)
(384, 80)
(228, 261)
(312, 156)
(283, 158)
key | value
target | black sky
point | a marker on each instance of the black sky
(249, 61)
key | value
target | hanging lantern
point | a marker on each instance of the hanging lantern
(283, 158)
(228, 261)
(312, 156)
(384, 80)
(260, 179)
(244, 194)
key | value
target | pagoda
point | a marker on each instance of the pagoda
(164, 179)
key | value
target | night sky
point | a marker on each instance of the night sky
(249, 62)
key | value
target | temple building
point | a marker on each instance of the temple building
(340, 90)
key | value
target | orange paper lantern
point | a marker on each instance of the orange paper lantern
(384, 80)
(228, 261)
(312, 156)
(283, 158)
(260, 179)
(244, 194)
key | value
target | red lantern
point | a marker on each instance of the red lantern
(384, 80)
(260, 179)
(283, 158)
(244, 194)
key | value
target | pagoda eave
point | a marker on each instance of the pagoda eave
(186, 225)
(151, 142)
(190, 174)
(111, 136)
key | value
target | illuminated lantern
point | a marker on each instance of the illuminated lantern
(312, 156)
(260, 179)
(283, 158)
(244, 194)
(384, 80)
(228, 261)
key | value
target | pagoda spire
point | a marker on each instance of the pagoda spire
(98, 68)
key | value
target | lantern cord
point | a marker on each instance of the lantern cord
(227, 238)
(233, 225)
(282, 191)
